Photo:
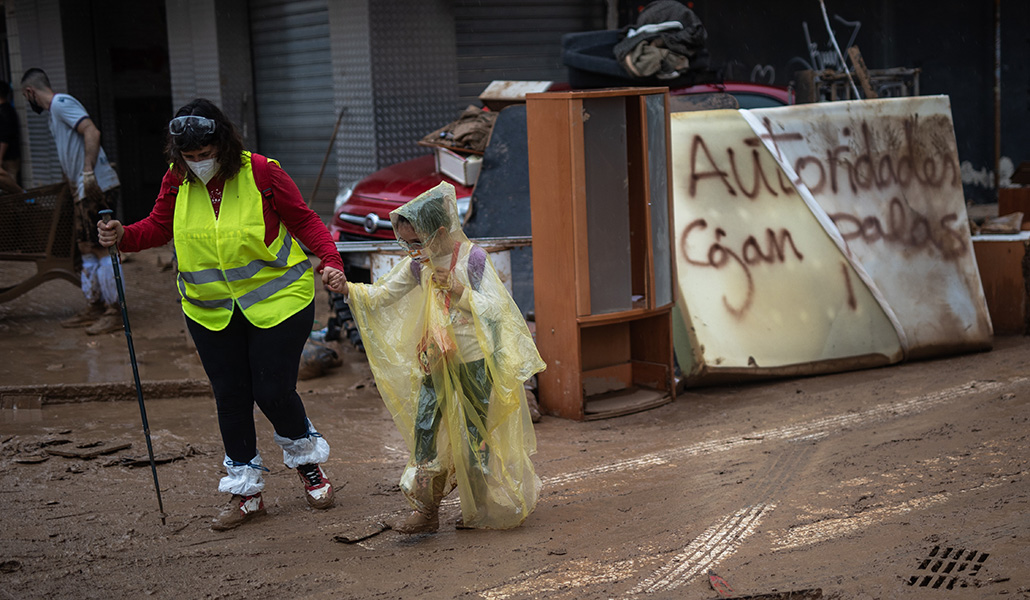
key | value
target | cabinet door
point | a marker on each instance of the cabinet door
(658, 182)
(607, 194)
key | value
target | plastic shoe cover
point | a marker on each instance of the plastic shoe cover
(308, 450)
(319, 491)
(240, 510)
(243, 479)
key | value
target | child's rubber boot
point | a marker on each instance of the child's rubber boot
(418, 522)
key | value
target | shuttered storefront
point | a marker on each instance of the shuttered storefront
(293, 88)
(36, 42)
(496, 39)
(517, 40)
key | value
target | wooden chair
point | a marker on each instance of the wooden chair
(38, 226)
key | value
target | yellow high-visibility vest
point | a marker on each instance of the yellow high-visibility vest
(224, 262)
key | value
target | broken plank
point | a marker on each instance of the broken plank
(91, 453)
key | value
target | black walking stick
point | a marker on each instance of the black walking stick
(113, 249)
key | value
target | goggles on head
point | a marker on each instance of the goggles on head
(192, 124)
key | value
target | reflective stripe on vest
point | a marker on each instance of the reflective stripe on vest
(251, 298)
(224, 262)
(240, 273)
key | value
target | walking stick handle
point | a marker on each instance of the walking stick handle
(105, 215)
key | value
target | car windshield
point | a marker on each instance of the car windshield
(747, 100)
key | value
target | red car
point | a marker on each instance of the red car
(362, 211)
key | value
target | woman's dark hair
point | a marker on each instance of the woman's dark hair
(225, 138)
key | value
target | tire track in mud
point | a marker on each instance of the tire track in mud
(705, 551)
(722, 539)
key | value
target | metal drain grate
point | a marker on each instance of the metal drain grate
(947, 567)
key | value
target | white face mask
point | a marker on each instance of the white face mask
(204, 169)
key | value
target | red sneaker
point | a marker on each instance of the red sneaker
(319, 491)
(240, 510)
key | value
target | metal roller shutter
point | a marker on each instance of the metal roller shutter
(517, 40)
(293, 89)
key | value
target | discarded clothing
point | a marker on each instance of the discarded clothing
(667, 39)
(469, 132)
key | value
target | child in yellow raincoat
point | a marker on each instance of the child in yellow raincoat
(450, 352)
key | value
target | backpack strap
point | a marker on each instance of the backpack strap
(262, 177)
(175, 177)
(477, 265)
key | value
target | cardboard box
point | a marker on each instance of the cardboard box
(463, 168)
(500, 93)
(1002, 260)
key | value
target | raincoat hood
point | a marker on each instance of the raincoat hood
(434, 217)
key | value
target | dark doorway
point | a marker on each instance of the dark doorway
(116, 53)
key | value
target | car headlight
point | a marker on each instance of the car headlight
(344, 196)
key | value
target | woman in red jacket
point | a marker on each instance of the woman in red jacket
(247, 290)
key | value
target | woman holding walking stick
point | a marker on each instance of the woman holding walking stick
(247, 289)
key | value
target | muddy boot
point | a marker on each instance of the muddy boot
(419, 522)
(240, 510)
(85, 317)
(428, 494)
(109, 322)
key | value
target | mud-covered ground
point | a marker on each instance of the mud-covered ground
(909, 481)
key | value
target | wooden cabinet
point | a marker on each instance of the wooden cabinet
(600, 196)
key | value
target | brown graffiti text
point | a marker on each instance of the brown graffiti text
(856, 167)
(906, 228)
(750, 254)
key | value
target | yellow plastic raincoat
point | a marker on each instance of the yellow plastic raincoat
(450, 355)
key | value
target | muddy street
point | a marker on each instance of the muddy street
(908, 481)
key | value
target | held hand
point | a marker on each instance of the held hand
(90, 187)
(442, 280)
(110, 233)
(335, 280)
